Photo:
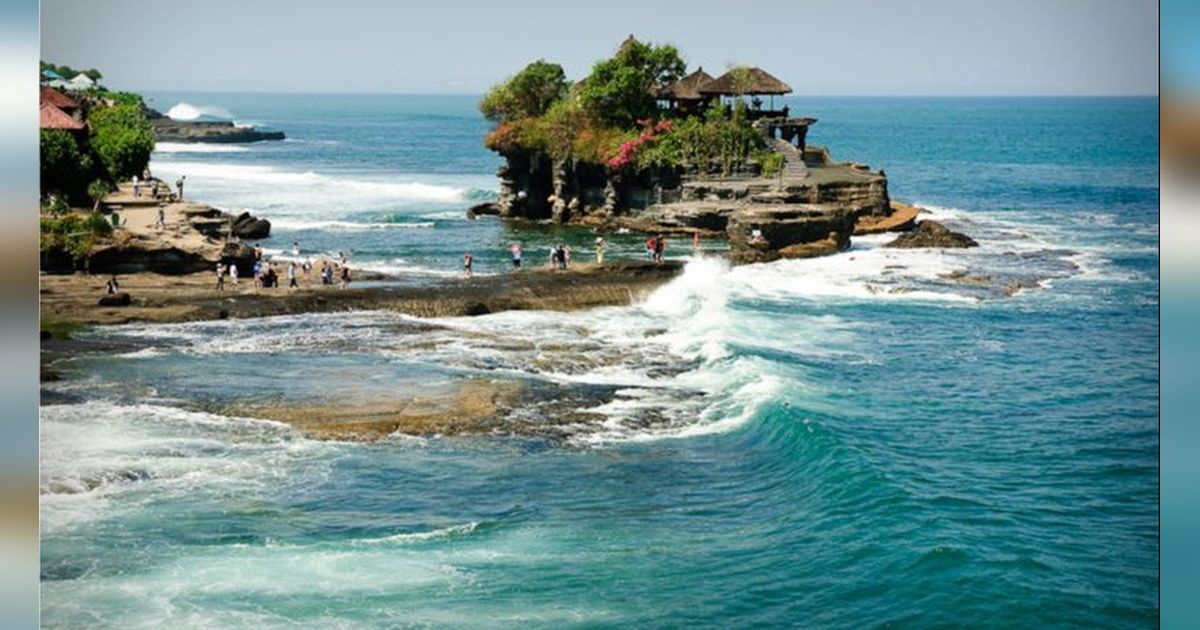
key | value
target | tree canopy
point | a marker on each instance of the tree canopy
(122, 139)
(620, 90)
(527, 94)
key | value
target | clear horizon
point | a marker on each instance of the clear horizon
(919, 48)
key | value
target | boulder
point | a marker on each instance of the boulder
(247, 226)
(932, 234)
(239, 254)
(116, 299)
(762, 233)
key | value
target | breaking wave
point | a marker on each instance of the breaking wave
(188, 112)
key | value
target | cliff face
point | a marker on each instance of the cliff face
(809, 209)
(533, 186)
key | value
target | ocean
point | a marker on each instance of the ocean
(880, 438)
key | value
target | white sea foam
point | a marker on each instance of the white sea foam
(447, 215)
(345, 226)
(197, 147)
(276, 182)
(416, 537)
(95, 452)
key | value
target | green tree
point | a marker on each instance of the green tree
(527, 94)
(65, 166)
(620, 90)
(122, 140)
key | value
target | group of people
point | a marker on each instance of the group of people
(655, 247)
(266, 273)
(157, 187)
(559, 255)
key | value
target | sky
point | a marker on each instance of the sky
(822, 47)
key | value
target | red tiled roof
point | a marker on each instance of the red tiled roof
(57, 99)
(52, 117)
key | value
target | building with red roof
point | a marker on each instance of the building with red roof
(52, 117)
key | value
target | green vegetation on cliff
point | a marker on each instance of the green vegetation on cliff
(116, 145)
(612, 117)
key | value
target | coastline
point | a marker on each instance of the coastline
(68, 300)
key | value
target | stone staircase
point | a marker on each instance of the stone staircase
(793, 160)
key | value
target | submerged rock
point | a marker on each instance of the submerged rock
(932, 234)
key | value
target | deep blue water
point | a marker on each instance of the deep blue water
(853, 441)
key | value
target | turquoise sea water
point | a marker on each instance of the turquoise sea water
(846, 442)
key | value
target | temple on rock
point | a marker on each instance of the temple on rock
(678, 152)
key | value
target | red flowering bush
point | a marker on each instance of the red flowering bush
(628, 151)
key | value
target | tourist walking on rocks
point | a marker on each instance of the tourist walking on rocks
(326, 273)
(258, 274)
(113, 287)
(292, 276)
(306, 269)
(660, 246)
(650, 248)
(601, 244)
(220, 276)
(515, 250)
(179, 185)
(160, 221)
(233, 272)
(468, 260)
(345, 277)
(137, 187)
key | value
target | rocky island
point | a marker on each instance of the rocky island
(215, 131)
(639, 144)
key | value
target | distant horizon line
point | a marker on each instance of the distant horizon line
(793, 95)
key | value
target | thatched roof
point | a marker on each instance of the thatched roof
(51, 117)
(761, 82)
(687, 88)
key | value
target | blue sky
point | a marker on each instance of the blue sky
(904, 47)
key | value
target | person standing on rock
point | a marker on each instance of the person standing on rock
(660, 246)
(292, 276)
(220, 276)
(137, 187)
(600, 245)
(306, 269)
(345, 276)
(233, 272)
(296, 249)
(179, 185)
(468, 260)
(160, 222)
(113, 287)
(515, 250)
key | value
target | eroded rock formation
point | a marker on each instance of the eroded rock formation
(932, 234)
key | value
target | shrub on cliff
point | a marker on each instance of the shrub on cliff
(712, 143)
(73, 234)
(527, 94)
(66, 167)
(122, 139)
